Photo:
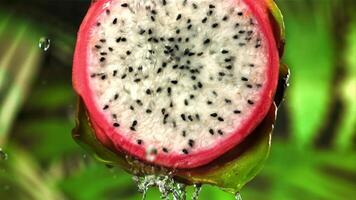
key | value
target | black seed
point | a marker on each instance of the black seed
(213, 114)
(124, 5)
(177, 31)
(189, 26)
(103, 53)
(116, 125)
(242, 44)
(237, 111)
(179, 16)
(251, 65)
(169, 91)
(188, 21)
(154, 12)
(98, 24)
(174, 82)
(220, 132)
(237, 25)
(106, 107)
(209, 102)
(221, 119)
(110, 49)
(114, 21)
(211, 6)
(102, 40)
(228, 101)
(171, 104)
(200, 54)
(197, 116)
(171, 39)
(184, 133)
(107, 12)
(191, 143)
(132, 108)
(116, 96)
(139, 102)
(244, 79)
(134, 123)
(165, 150)
(152, 18)
(228, 59)
(200, 85)
(132, 129)
(242, 31)
(186, 102)
(128, 53)
(149, 31)
(191, 96)
(142, 32)
(204, 20)
(159, 90)
(118, 39)
(190, 118)
(137, 80)
(257, 46)
(114, 116)
(123, 39)
(93, 75)
(211, 131)
(139, 68)
(207, 41)
(97, 46)
(130, 69)
(163, 111)
(164, 2)
(139, 142)
(123, 76)
(239, 13)
(174, 66)
(225, 18)
(195, 6)
(148, 111)
(183, 117)
(103, 77)
(185, 151)
(229, 67)
(210, 12)
(102, 59)
(221, 74)
(148, 91)
(249, 86)
(215, 25)
(250, 102)
(258, 85)
(224, 51)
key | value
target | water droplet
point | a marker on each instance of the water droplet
(3, 155)
(238, 196)
(197, 189)
(44, 43)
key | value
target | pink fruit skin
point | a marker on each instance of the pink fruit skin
(107, 135)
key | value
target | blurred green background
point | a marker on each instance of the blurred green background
(313, 153)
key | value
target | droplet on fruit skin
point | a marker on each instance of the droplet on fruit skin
(44, 43)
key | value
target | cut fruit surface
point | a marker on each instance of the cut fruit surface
(176, 83)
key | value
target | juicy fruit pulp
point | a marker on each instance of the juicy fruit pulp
(176, 83)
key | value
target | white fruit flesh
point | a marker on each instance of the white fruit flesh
(179, 95)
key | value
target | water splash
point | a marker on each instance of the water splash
(238, 196)
(44, 43)
(166, 185)
(3, 155)
(197, 189)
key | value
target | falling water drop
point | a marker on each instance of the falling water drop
(44, 43)
(238, 196)
(197, 189)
